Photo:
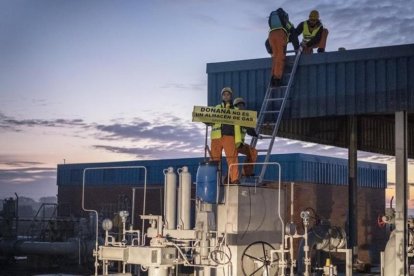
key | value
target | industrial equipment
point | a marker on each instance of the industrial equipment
(238, 230)
(388, 265)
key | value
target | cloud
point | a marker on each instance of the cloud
(170, 137)
(18, 163)
(156, 151)
(161, 129)
(12, 124)
(204, 18)
(148, 139)
(369, 23)
(33, 182)
(184, 86)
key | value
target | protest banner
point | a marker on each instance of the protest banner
(209, 114)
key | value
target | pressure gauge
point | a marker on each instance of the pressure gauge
(107, 224)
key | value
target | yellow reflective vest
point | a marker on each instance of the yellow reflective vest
(287, 29)
(216, 130)
(307, 35)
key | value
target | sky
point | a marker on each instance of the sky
(100, 81)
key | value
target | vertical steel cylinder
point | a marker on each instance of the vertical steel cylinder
(158, 271)
(184, 199)
(170, 198)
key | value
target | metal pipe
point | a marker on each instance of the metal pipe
(353, 185)
(96, 264)
(79, 252)
(144, 205)
(22, 247)
(401, 192)
(17, 214)
(292, 191)
(292, 263)
(133, 207)
(306, 250)
(291, 200)
(96, 212)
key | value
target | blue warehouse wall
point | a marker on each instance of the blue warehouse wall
(294, 167)
(375, 80)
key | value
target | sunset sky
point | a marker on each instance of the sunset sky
(97, 81)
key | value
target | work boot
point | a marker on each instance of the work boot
(275, 82)
(321, 50)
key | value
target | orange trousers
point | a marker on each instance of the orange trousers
(227, 143)
(321, 44)
(278, 43)
(251, 157)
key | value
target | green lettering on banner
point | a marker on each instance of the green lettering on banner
(206, 114)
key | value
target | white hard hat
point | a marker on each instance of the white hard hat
(226, 89)
(237, 101)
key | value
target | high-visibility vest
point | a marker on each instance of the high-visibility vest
(307, 35)
(216, 130)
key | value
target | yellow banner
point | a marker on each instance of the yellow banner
(209, 114)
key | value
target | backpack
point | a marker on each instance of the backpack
(284, 16)
(278, 19)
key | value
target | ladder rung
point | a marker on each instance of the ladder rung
(271, 112)
(261, 150)
(278, 87)
(274, 99)
(265, 137)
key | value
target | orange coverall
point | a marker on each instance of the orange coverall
(227, 143)
(251, 157)
(278, 43)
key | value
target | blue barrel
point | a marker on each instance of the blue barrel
(206, 182)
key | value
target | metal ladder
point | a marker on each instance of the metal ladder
(271, 113)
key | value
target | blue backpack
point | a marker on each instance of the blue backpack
(278, 19)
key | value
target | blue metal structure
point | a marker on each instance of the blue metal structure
(371, 84)
(375, 80)
(295, 167)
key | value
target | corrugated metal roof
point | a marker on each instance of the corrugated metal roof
(295, 167)
(307, 168)
(375, 80)
(370, 83)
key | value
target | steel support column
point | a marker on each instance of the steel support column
(401, 186)
(352, 186)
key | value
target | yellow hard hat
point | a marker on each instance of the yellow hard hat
(238, 100)
(226, 89)
(314, 15)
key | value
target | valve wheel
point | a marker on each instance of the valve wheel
(256, 260)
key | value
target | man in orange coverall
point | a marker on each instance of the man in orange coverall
(243, 148)
(226, 137)
(281, 31)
